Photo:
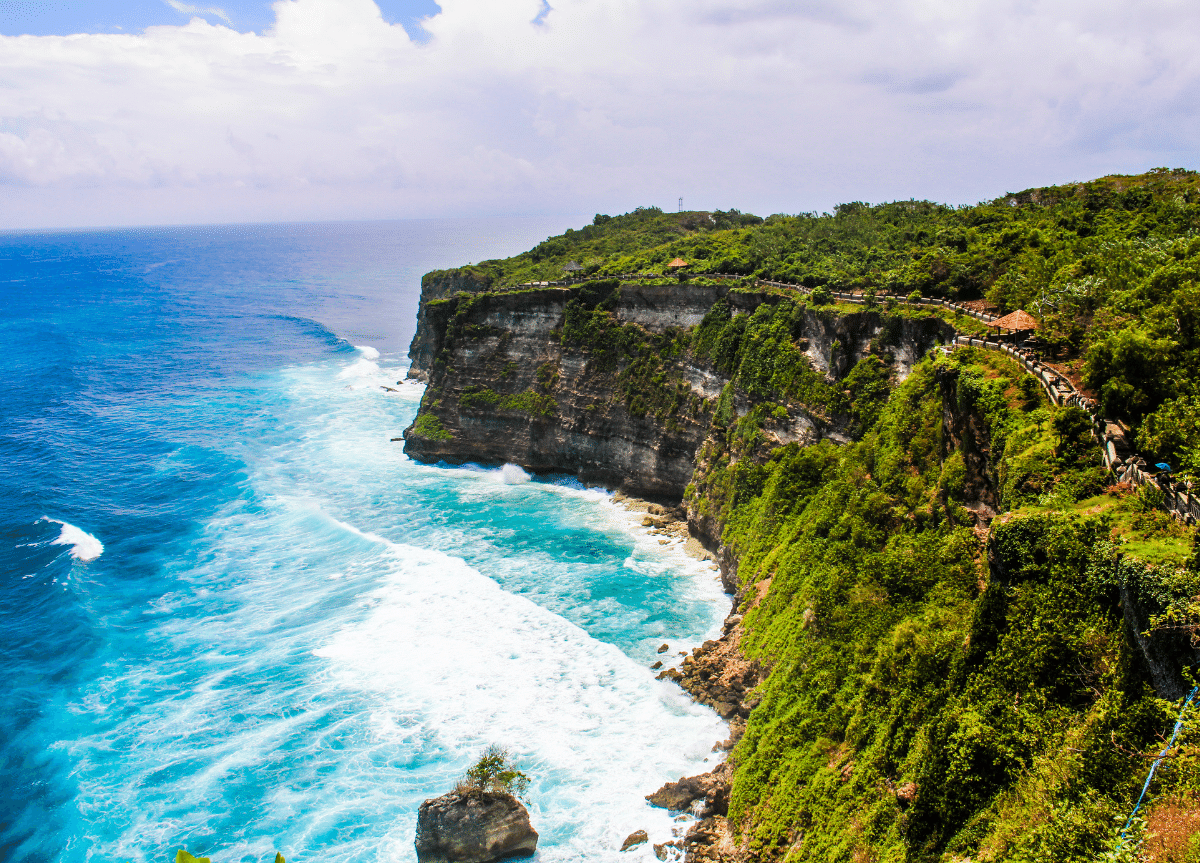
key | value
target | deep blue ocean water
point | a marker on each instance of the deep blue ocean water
(237, 619)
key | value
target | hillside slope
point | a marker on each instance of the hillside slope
(959, 636)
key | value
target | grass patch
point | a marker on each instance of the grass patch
(430, 427)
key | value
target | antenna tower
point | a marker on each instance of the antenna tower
(681, 203)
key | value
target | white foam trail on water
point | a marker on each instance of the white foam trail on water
(593, 728)
(322, 658)
(514, 475)
(361, 368)
(84, 546)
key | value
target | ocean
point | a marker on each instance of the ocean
(237, 619)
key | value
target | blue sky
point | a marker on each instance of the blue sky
(64, 17)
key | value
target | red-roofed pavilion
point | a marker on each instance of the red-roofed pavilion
(1019, 321)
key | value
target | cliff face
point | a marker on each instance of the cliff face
(437, 286)
(897, 658)
(612, 387)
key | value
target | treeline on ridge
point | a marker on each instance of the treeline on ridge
(1110, 267)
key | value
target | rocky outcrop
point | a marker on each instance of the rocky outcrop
(634, 839)
(438, 285)
(710, 789)
(717, 674)
(711, 841)
(478, 827)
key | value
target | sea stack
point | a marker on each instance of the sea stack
(475, 827)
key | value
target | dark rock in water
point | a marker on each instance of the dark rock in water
(678, 796)
(663, 851)
(656, 666)
(473, 828)
(711, 787)
(663, 648)
(637, 837)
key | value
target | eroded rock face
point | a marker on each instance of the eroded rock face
(473, 828)
(503, 386)
(712, 788)
(437, 286)
(717, 674)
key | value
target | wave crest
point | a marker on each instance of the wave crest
(84, 546)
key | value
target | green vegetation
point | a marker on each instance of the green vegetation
(529, 402)
(430, 427)
(942, 603)
(925, 701)
(493, 773)
(184, 857)
(760, 352)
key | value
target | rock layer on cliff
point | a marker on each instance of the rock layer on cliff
(610, 384)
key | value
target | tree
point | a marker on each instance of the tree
(1073, 432)
(1127, 368)
(1172, 433)
(493, 773)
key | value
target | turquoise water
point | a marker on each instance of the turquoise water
(237, 619)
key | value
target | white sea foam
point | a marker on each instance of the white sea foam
(325, 658)
(480, 665)
(367, 351)
(360, 368)
(84, 546)
(513, 474)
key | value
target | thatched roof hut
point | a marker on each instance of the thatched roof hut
(1019, 321)
(676, 264)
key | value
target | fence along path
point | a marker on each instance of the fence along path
(1118, 455)
(1119, 458)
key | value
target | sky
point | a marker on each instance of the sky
(120, 112)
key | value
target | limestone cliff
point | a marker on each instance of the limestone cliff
(609, 383)
(438, 285)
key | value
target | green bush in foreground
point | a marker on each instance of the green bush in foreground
(184, 857)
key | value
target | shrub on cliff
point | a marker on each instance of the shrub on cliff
(820, 296)
(1073, 436)
(430, 427)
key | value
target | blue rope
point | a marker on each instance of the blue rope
(1158, 761)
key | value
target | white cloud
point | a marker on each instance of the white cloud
(189, 9)
(606, 104)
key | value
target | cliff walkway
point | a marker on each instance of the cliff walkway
(1111, 435)
(1119, 457)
